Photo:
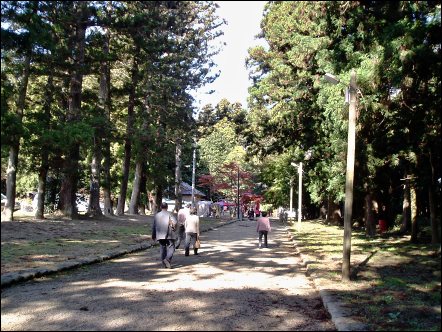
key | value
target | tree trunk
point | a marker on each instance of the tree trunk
(329, 210)
(108, 203)
(105, 102)
(129, 131)
(11, 172)
(42, 175)
(152, 202)
(434, 225)
(140, 164)
(44, 167)
(406, 207)
(158, 198)
(94, 198)
(435, 238)
(143, 190)
(370, 225)
(69, 182)
(133, 206)
(125, 179)
(178, 194)
(414, 225)
(104, 99)
(11, 181)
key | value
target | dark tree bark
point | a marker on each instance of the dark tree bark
(133, 206)
(178, 195)
(11, 172)
(406, 208)
(105, 102)
(70, 169)
(143, 191)
(152, 202)
(94, 198)
(158, 198)
(435, 238)
(370, 225)
(44, 167)
(141, 160)
(414, 225)
(129, 133)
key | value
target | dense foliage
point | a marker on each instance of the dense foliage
(96, 97)
(97, 94)
(395, 49)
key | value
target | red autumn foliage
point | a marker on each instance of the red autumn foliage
(226, 181)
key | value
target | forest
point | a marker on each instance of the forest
(96, 98)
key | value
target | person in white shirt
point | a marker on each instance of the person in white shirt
(192, 225)
(183, 213)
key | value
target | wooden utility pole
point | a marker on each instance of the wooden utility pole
(193, 172)
(299, 195)
(349, 177)
(237, 195)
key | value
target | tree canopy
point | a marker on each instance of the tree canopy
(96, 97)
(395, 50)
(95, 91)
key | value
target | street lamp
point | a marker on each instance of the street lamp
(299, 191)
(352, 90)
(306, 157)
(238, 212)
(193, 172)
(291, 193)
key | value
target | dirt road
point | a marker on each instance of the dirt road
(231, 285)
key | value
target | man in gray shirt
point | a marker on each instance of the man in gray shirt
(162, 232)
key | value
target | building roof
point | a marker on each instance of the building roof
(186, 189)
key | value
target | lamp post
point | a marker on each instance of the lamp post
(299, 192)
(237, 195)
(307, 156)
(349, 177)
(291, 194)
(299, 195)
(193, 172)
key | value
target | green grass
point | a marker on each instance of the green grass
(396, 285)
(102, 238)
(392, 283)
(90, 243)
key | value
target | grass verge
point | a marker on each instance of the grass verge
(27, 243)
(395, 286)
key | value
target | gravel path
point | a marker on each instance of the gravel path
(231, 285)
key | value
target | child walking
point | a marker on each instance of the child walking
(263, 228)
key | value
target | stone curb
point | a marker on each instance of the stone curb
(340, 316)
(9, 279)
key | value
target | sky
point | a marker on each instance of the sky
(243, 24)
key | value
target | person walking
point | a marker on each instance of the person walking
(183, 213)
(263, 228)
(192, 226)
(164, 224)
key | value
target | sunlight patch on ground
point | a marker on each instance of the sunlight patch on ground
(14, 320)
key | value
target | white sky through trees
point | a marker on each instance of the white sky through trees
(243, 24)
